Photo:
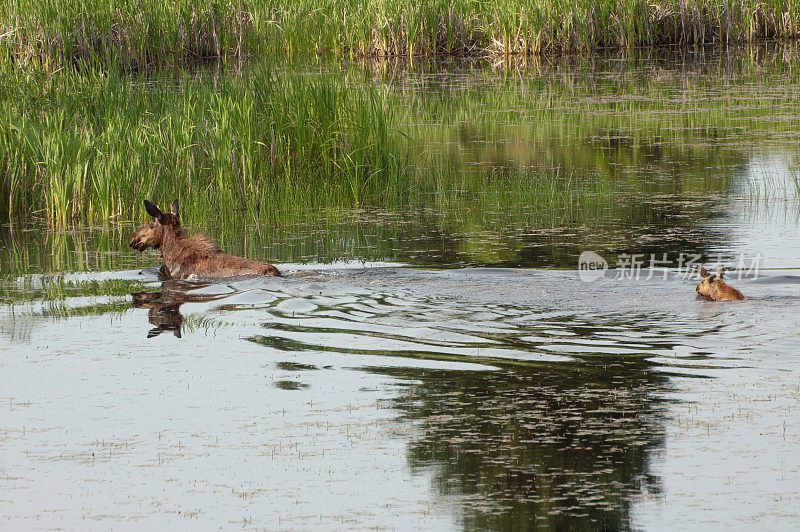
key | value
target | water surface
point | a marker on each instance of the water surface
(440, 364)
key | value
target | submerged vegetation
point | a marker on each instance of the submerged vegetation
(143, 34)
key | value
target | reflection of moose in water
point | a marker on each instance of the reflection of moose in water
(164, 306)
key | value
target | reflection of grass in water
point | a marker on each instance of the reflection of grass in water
(774, 185)
(295, 366)
(56, 298)
(543, 197)
(24, 317)
(561, 447)
(38, 248)
(290, 385)
(193, 323)
(51, 296)
(57, 288)
(612, 123)
(29, 299)
(59, 309)
(796, 181)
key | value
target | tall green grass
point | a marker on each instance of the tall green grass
(88, 147)
(268, 145)
(142, 34)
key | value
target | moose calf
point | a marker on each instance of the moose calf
(197, 255)
(713, 288)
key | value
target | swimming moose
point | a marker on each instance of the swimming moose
(197, 255)
(713, 288)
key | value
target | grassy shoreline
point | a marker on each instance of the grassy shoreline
(144, 34)
(266, 145)
(89, 147)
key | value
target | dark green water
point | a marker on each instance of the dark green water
(443, 365)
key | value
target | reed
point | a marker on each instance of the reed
(89, 146)
(143, 34)
(265, 147)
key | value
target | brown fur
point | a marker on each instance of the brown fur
(713, 288)
(197, 255)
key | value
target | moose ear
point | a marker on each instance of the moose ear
(152, 210)
(174, 207)
(720, 269)
(703, 272)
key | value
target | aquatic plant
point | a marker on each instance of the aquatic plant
(88, 147)
(271, 146)
(143, 34)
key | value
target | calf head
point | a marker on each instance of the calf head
(706, 285)
(152, 234)
(713, 287)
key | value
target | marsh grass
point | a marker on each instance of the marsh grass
(273, 146)
(143, 34)
(79, 147)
